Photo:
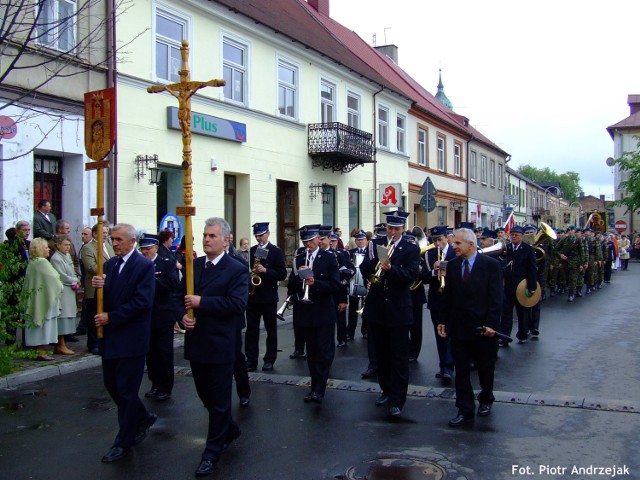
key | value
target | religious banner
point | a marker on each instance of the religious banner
(99, 122)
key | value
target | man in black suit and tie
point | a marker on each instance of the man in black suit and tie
(472, 299)
(221, 290)
(436, 257)
(167, 310)
(357, 255)
(312, 285)
(388, 309)
(520, 264)
(129, 286)
(263, 302)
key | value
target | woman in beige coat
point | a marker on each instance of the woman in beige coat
(63, 263)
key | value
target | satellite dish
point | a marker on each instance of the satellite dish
(610, 162)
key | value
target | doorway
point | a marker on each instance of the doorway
(287, 218)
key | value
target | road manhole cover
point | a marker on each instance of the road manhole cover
(390, 468)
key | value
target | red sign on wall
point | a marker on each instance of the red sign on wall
(8, 128)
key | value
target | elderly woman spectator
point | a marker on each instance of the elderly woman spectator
(243, 251)
(42, 289)
(625, 251)
(63, 264)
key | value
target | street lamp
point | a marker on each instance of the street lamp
(546, 199)
(578, 212)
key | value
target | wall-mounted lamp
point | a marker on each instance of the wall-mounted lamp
(319, 188)
(456, 205)
(148, 163)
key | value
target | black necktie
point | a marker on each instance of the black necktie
(208, 265)
(119, 263)
(465, 274)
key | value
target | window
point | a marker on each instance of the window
(57, 24)
(327, 102)
(287, 89)
(492, 173)
(170, 31)
(441, 160)
(354, 209)
(329, 205)
(473, 164)
(401, 128)
(483, 169)
(230, 200)
(500, 177)
(234, 68)
(457, 161)
(353, 110)
(383, 127)
(442, 215)
(422, 147)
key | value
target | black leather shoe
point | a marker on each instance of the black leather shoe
(144, 427)
(342, 344)
(267, 367)
(369, 373)
(382, 400)
(395, 412)
(317, 398)
(244, 402)
(71, 338)
(460, 420)
(446, 378)
(161, 397)
(95, 351)
(296, 354)
(535, 332)
(484, 410)
(205, 468)
(251, 367)
(153, 393)
(309, 397)
(412, 360)
(115, 454)
(522, 341)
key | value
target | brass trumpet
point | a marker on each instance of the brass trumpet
(421, 241)
(283, 308)
(376, 277)
(256, 279)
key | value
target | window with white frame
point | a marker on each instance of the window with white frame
(327, 101)
(483, 169)
(287, 89)
(56, 27)
(441, 159)
(422, 147)
(234, 68)
(500, 176)
(457, 159)
(383, 127)
(473, 165)
(401, 130)
(442, 215)
(353, 110)
(170, 31)
(492, 173)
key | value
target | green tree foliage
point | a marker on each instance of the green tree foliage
(569, 181)
(629, 165)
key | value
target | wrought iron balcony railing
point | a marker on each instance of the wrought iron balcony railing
(339, 147)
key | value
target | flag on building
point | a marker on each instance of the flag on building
(509, 224)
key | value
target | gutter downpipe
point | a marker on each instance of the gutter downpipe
(112, 81)
(471, 139)
(375, 159)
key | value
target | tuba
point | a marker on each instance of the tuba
(421, 241)
(545, 232)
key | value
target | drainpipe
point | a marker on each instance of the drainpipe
(471, 139)
(375, 160)
(112, 81)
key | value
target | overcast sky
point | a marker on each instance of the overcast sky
(543, 80)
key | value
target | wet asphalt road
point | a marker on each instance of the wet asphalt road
(586, 362)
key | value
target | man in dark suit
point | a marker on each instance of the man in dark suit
(472, 299)
(312, 284)
(520, 265)
(347, 270)
(357, 255)
(418, 299)
(298, 342)
(436, 257)
(263, 301)
(388, 309)
(166, 311)
(44, 222)
(221, 290)
(129, 286)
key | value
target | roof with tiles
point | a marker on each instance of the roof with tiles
(299, 21)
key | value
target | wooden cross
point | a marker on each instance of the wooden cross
(183, 91)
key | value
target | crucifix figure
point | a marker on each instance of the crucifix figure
(183, 91)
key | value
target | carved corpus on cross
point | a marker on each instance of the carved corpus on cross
(183, 91)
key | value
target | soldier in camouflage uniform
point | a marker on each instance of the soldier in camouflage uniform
(604, 254)
(584, 262)
(594, 256)
(554, 264)
(572, 254)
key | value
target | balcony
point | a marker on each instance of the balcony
(339, 147)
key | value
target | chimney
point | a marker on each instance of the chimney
(634, 103)
(602, 198)
(390, 51)
(320, 6)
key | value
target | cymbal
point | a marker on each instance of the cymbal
(525, 301)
